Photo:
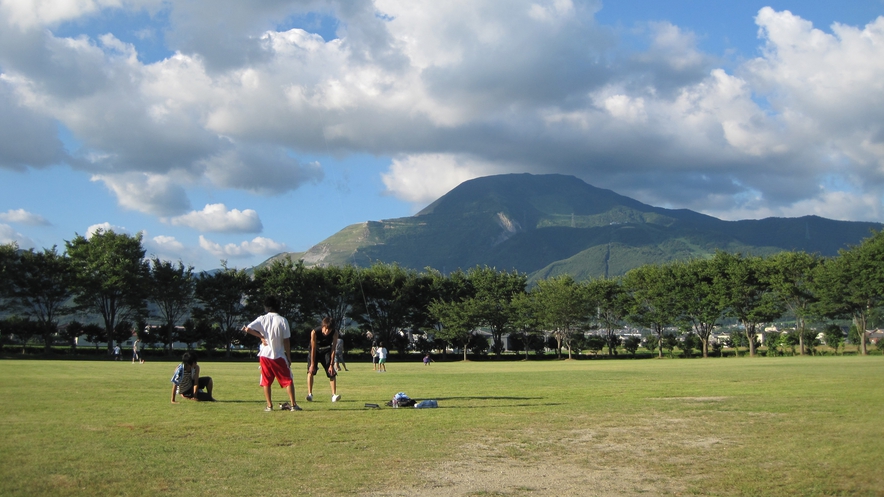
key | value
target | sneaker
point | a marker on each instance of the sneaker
(295, 407)
(336, 398)
(309, 397)
(268, 408)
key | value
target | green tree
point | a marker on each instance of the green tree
(610, 303)
(689, 342)
(452, 289)
(495, 291)
(669, 342)
(595, 344)
(564, 309)
(220, 300)
(458, 320)
(71, 332)
(111, 276)
(631, 344)
(773, 341)
(293, 285)
(171, 290)
(852, 284)
(790, 275)
(747, 294)
(43, 283)
(385, 308)
(8, 261)
(652, 289)
(525, 319)
(834, 336)
(697, 298)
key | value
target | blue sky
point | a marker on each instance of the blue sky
(233, 130)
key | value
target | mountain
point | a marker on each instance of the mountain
(546, 225)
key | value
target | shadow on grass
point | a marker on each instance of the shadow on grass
(488, 398)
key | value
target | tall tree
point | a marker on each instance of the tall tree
(458, 319)
(451, 289)
(384, 307)
(8, 261)
(698, 300)
(495, 291)
(852, 284)
(111, 276)
(221, 299)
(790, 275)
(43, 283)
(171, 290)
(565, 309)
(610, 303)
(331, 292)
(289, 282)
(747, 294)
(526, 319)
(652, 291)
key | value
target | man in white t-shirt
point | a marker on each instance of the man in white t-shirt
(276, 352)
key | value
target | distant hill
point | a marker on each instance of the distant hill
(546, 225)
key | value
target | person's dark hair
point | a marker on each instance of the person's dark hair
(327, 322)
(271, 303)
(188, 358)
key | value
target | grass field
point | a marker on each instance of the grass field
(740, 426)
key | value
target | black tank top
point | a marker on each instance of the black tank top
(323, 342)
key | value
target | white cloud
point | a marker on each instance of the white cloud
(168, 243)
(258, 246)
(451, 91)
(420, 179)
(24, 217)
(216, 218)
(9, 235)
(145, 192)
(34, 13)
(105, 227)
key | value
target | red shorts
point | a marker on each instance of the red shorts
(275, 368)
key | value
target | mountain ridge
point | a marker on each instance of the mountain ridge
(545, 225)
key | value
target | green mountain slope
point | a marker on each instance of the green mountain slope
(546, 225)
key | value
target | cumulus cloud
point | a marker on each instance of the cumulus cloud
(258, 246)
(26, 14)
(168, 248)
(420, 179)
(24, 217)
(145, 192)
(9, 235)
(27, 138)
(105, 227)
(216, 218)
(449, 91)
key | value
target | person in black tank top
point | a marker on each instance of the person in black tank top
(322, 351)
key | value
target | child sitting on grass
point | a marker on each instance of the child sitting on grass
(187, 381)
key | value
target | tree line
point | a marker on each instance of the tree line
(108, 277)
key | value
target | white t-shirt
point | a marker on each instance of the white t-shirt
(275, 329)
(382, 353)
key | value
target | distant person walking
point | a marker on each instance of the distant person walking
(117, 355)
(275, 356)
(137, 351)
(339, 355)
(322, 350)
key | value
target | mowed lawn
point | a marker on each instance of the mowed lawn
(738, 426)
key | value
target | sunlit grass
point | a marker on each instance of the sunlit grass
(736, 426)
